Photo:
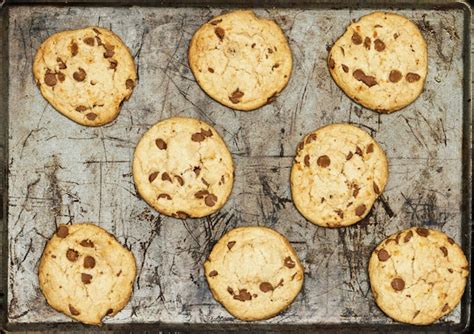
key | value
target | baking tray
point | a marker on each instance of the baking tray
(55, 171)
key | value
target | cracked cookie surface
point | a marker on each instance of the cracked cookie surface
(85, 74)
(254, 273)
(381, 61)
(240, 60)
(86, 273)
(183, 168)
(338, 172)
(418, 275)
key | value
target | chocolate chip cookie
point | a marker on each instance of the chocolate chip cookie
(183, 168)
(86, 273)
(254, 273)
(85, 74)
(381, 61)
(240, 60)
(418, 275)
(338, 173)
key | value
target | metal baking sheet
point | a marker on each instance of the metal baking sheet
(61, 172)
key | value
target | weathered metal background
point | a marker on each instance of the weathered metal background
(60, 172)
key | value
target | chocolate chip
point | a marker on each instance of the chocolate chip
(87, 243)
(201, 194)
(161, 144)
(206, 133)
(216, 22)
(358, 151)
(288, 262)
(81, 108)
(86, 278)
(370, 148)
(89, 41)
(323, 161)
(109, 47)
(266, 286)
(451, 241)
(180, 180)
(270, 50)
(236, 96)
(152, 177)
(197, 170)
(89, 262)
(444, 250)
(275, 66)
(74, 49)
(182, 215)
(61, 76)
(376, 188)
(109, 54)
(73, 310)
(383, 255)
(366, 79)
(62, 64)
(340, 213)
(230, 244)
(219, 32)
(445, 308)
(99, 41)
(306, 160)
(398, 284)
(72, 255)
(109, 311)
(210, 200)
(408, 236)
(213, 273)
(230, 290)
(345, 68)
(80, 75)
(210, 69)
(50, 79)
(356, 38)
(412, 77)
(300, 146)
(166, 177)
(165, 196)
(395, 35)
(331, 63)
(113, 64)
(129, 84)
(360, 210)
(423, 232)
(205, 182)
(91, 116)
(416, 313)
(356, 190)
(97, 31)
(379, 45)
(243, 295)
(197, 137)
(253, 45)
(367, 43)
(311, 137)
(395, 76)
(349, 156)
(450, 270)
(62, 231)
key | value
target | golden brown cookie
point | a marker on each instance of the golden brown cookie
(85, 74)
(240, 60)
(86, 273)
(418, 275)
(381, 61)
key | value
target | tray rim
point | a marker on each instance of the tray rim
(466, 324)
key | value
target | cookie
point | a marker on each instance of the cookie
(86, 273)
(183, 168)
(85, 74)
(240, 60)
(338, 173)
(381, 61)
(418, 275)
(254, 273)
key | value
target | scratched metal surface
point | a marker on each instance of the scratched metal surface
(60, 172)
